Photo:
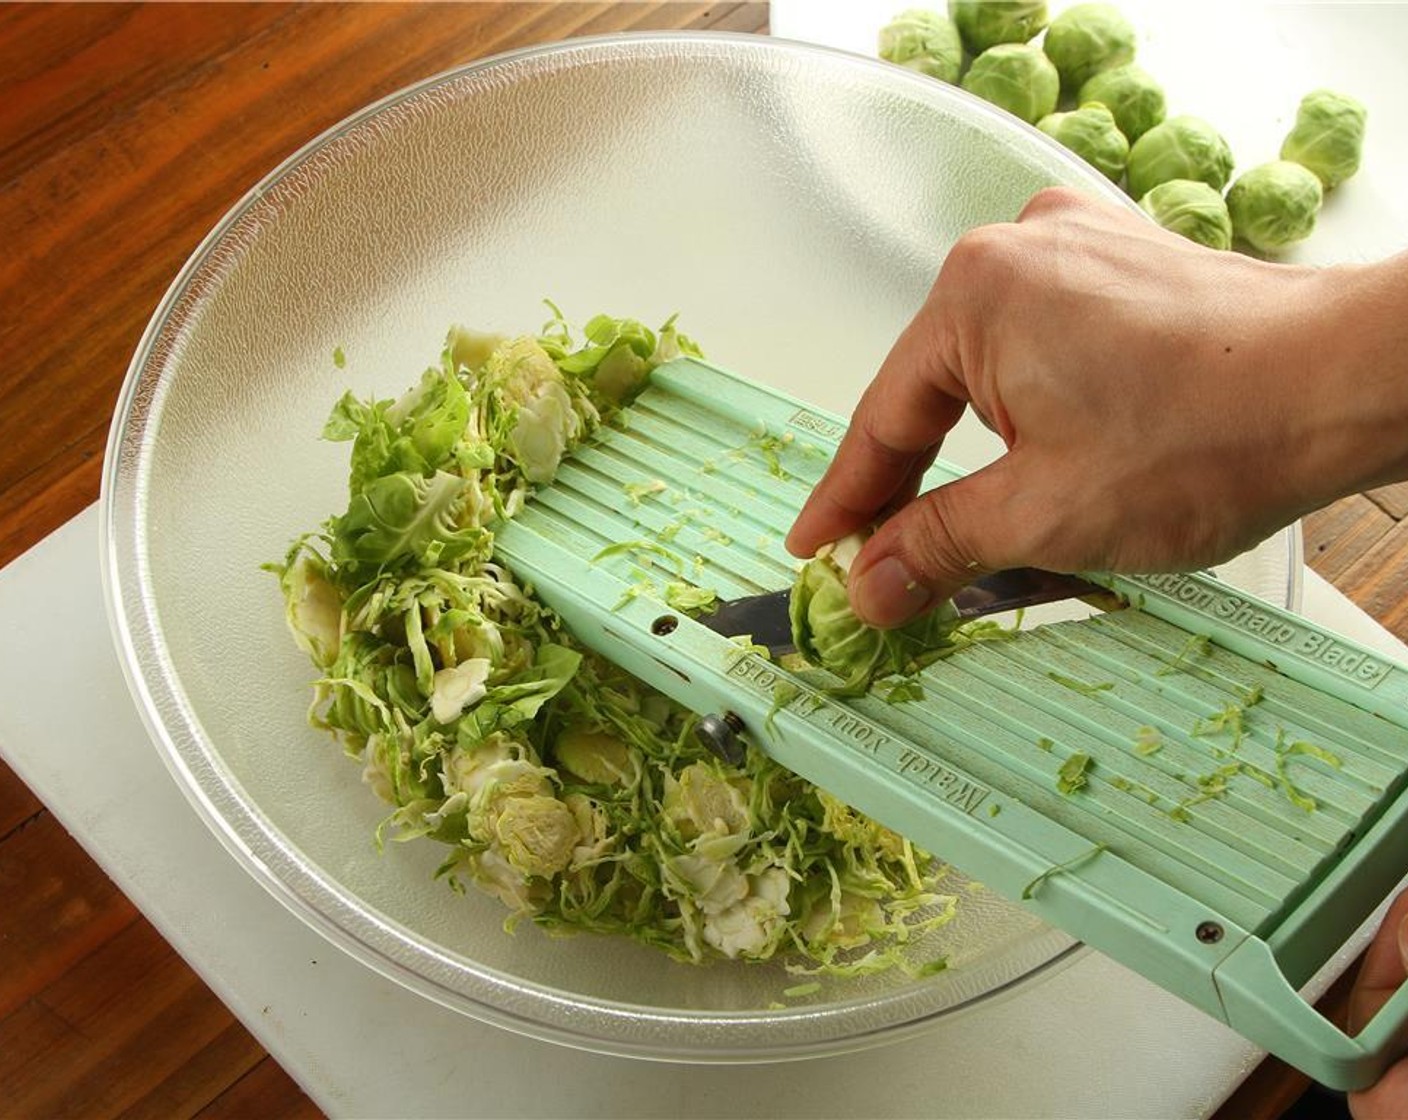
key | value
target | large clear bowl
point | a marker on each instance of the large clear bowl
(793, 203)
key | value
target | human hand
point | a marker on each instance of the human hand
(1164, 407)
(1385, 967)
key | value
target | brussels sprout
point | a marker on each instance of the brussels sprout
(546, 418)
(379, 768)
(470, 349)
(1091, 133)
(464, 769)
(1086, 39)
(483, 778)
(312, 607)
(1192, 209)
(1328, 137)
(827, 632)
(493, 874)
(985, 23)
(710, 879)
(1016, 77)
(536, 834)
(1135, 98)
(856, 828)
(703, 800)
(595, 833)
(458, 688)
(847, 923)
(753, 926)
(1180, 148)
(924, 41)
(597, 757)
(545, 426)
(621, 373)
(1275, 204)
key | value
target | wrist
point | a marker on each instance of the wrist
(1352, 361)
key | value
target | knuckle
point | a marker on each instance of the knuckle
(981, 251)
(1051, 200)
(982, 270)
(880, 446)
(935, 543)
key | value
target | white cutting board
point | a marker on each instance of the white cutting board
(1090, 1040)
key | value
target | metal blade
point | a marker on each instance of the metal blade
(1019, 587)
(764, 617)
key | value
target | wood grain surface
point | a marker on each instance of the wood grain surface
(126, 131)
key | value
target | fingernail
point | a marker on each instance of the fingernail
(886, 594)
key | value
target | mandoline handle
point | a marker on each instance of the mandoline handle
(1260, 1004)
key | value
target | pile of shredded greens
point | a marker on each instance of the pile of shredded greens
(569, 789)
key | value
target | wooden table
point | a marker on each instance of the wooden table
(125, 133)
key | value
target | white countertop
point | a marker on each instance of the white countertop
(1091, 1039)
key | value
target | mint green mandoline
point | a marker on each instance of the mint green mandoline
(1225, 855)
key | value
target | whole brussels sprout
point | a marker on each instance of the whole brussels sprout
(1275, 204)
(1192, 209)
(1180, 148)
(1086, 39)
(1091, 133)
(828, 633)
(985, 23)
(1328, 137)
(1135, 99)
(924, 41)
(1016, 77)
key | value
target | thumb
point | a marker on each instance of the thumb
(1385, 965)
(943, 540)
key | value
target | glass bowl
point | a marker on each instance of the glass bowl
(793, 203)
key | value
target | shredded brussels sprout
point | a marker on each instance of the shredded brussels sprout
(1072, 774)
(1148, 741)
(1084, 687)
(557, 782)
(1029, 891)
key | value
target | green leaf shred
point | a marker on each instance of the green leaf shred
(1072, 774)
(1029, 891)
(1083, 687)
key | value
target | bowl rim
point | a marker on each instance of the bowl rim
(318, 900)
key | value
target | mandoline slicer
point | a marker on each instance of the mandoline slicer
(1226, 855)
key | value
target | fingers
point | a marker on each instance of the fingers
(935, 369)
(921, 390)
(892, 439)
(945, 539)
(913, 482)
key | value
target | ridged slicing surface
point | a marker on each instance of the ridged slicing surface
(1203, 763)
